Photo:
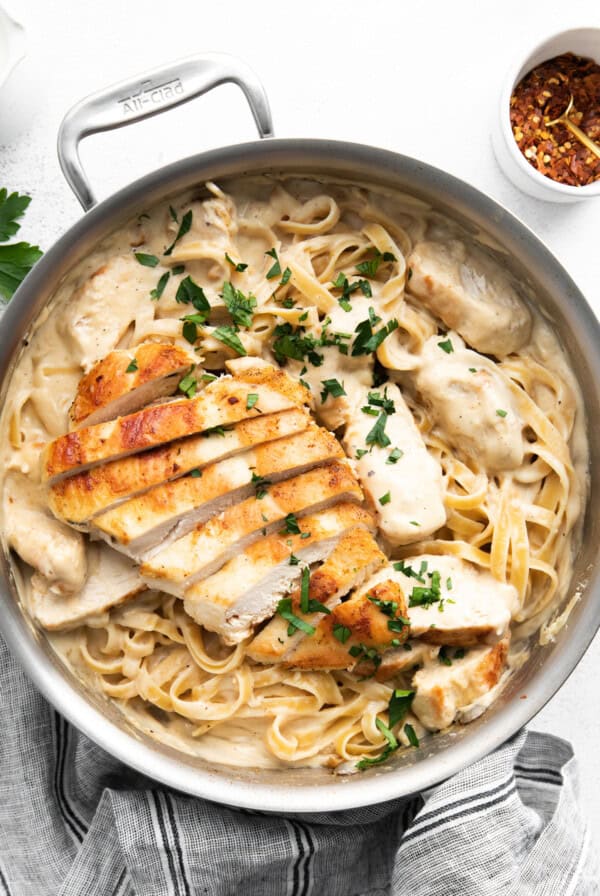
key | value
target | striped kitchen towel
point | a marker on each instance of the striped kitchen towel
(76, 822)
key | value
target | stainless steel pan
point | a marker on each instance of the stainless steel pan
(299, 790)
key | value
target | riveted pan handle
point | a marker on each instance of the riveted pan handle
(147, 95)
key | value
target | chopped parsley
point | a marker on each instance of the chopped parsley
(285, 277)
(376, 435)
(459, 654)
(196, 473)
(366, 341)
(189, 293)
(240, 307)
(294, 560)
(158, 290)
(370, 267)
(186, 223)
(426, 595)
(237, 266)
(208, 377)
(395, 456)
(391, 746)
(446, 346)
(472, 370)
(149, 261)
(501, 413)
(414, 523)
(388, 607)
(332, 387)
(284, 608)
(341, 632)
(342, 282)
(132, 367)
(449, 583)
(173, 214)
(295, 343)
(190, 330)
(188, 385)
(291, 525)
(178, 269)
(275, 269)
(382, 401)
(385, 499)
(406, 568)
(261, 484)
(398, 624)
(304, 585)
(411, 735)
(400, 703)
(360, 452)
(409, 274)
(229, 337)
(251, 400)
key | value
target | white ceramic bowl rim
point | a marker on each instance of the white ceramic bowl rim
(517, 70)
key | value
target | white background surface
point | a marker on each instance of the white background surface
(421, 79)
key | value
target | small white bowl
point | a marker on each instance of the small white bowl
(582, 42)
(12, 44)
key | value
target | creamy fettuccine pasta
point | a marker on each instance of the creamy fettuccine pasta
(435, 437)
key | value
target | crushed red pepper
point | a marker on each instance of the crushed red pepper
(542, 96)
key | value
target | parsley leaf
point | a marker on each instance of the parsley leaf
(446, 346)
(251, 400)
(275, 269)
(188, 385)
(229, 337)
(295, 343)
(188, 292)
(240, 307)
(186, 223)
(149, 261)
(341, 632)
(16, 259)
(304, 585)
(285, 277)
(366, 341)
(400, 703)
(395, 456)
(158, 290)
(411, 735)
(260, 484)
(237, 266)
(291, 525)
(284, 608)
(377, 436)
(332, 387)
(385, 499)
(196, 473)
(501, 413)
(132, 367)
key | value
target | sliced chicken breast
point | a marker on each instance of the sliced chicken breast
(353, 560)
(248, 588)
(471, 403)
(125, 381)
(84, 495)
(441, 690)
(407, 658)
(112, 579)
(152, 521)
(53, 549)
(372, 619)
(203, 551)
(221, 403)
(403, 480)
(471, 293)
(453, 602)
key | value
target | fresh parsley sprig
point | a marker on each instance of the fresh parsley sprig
(16, 259)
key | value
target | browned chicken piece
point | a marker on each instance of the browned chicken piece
(112, 579)
(84, 495)
(152, 521)
(354, 560)
(353, 629)
(248, 588)
(442, 691)
(125, 381)
(205, 550)
(223, 402)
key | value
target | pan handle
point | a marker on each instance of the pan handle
(150, 94)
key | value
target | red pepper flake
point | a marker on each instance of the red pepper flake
(542, 96)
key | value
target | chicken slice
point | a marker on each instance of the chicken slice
(223, 402)
(112, 579)
(353, 560)
(453, 602)
(80, 497)
(441, 691)
(248, 588)
(125, 381)
(53, 549)
(471, 403)
(157, 518)
(407, 494)
(372, 619)
(471, 293)
(410, 657)
(205, 550)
